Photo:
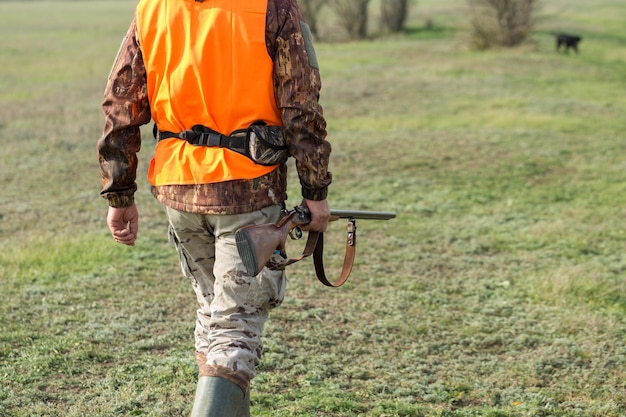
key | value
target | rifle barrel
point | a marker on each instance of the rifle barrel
(357, 214)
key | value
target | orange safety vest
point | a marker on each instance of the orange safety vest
(206, 63)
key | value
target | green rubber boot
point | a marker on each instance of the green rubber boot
(218, 397)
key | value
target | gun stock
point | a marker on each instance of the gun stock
(256, 244)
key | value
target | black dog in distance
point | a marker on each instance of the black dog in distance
(563, 40)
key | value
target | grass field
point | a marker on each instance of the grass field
(499, 290)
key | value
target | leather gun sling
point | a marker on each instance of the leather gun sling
(308, 250)
(315, 246)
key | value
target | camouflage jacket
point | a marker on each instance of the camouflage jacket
(296, 85)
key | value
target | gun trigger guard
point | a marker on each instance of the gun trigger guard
(295, 233)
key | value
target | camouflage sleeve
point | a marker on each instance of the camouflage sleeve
(126, 108)
(297, 85)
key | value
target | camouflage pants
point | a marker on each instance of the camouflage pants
(233, 306)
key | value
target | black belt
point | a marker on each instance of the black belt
(204, 136)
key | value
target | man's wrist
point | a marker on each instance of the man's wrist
(120, 200)
(315, 194)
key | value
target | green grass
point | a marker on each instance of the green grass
(499, 290)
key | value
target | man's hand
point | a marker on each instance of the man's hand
(123, 223)
(320, 213)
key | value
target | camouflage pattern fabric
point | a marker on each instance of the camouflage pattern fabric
(230, 197)
(233, 306)
(266, 145)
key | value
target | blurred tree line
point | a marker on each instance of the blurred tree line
(353, 15)
(505, 23)
(492, 23)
